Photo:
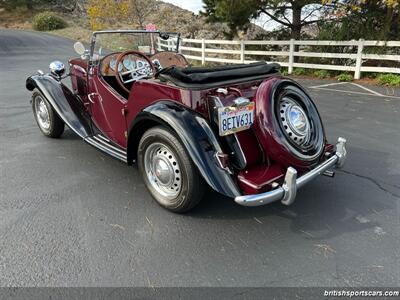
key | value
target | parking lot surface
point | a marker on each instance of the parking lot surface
(72, 216)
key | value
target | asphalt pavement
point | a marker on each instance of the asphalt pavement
(72, 216)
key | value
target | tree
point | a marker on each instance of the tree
(110, 13)
(106, 13)
(141, 9)
(376, 20)
(235, 13)
(292, 14)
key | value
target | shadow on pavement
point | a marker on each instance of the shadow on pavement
(324, 208)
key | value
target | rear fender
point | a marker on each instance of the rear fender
(68, 106)
(195, 134)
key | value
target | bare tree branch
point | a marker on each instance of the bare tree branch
(312, 12)
(275, 18)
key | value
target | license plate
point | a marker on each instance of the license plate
(232, 119)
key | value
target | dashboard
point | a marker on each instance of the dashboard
(138, 67)
(129, 63)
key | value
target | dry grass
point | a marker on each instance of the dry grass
(74, 33)
(18, 19)
(22, 19)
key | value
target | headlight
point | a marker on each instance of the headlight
(57, 68)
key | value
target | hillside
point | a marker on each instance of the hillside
(166, 16)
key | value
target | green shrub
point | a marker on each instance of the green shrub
(389, 79)
(344, 77)
(321, 74)
(372, 75)
(284, 71)
(299, 71)
(47, 21)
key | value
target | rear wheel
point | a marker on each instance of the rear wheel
(168, 172)
(46, 117)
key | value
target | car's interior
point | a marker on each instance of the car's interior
(144, 58)
(121, 69)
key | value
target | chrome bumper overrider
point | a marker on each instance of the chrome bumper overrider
(286, 193)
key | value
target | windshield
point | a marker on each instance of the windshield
(146, 42)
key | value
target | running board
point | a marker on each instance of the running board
(102, 143)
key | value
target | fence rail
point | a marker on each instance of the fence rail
(225, 51)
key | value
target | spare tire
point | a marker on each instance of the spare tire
(288, 124)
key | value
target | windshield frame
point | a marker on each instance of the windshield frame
(95, 33)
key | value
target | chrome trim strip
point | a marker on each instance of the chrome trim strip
(95, 33)
(79, 68)
(103, 138)
(287, 192)
(107, 144)
(105, 149)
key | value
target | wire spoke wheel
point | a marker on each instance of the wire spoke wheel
(42, 113)
(295, 121)
(49, 123)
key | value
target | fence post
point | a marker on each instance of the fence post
(203, 52)
(158, 44)
(291, 56)
(242, 51)
(360, 48)
(179, 43)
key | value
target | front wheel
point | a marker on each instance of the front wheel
(168, 172)
(46, 117)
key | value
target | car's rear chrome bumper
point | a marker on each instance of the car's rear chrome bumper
(286, 193)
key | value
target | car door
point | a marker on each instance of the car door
(107, 108)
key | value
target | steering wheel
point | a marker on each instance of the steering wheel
(137, 73)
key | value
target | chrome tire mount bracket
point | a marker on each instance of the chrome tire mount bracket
(286, 193)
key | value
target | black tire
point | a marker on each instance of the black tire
(56, 125)
(192, 185)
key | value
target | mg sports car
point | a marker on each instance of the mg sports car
(245, 131)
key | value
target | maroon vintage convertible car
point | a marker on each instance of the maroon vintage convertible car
(244, 130)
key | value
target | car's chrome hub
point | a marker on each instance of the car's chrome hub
(162, 169)
(295, 121)
(42, 113)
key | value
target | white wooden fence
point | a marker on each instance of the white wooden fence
(225, 51)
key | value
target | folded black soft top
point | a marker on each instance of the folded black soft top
(199, 76)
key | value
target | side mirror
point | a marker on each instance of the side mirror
(164, 36)
(79, 48)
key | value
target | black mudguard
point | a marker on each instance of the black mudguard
(196, 135)
(68, 107)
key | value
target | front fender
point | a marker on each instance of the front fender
(69, 108)
(195, 134)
